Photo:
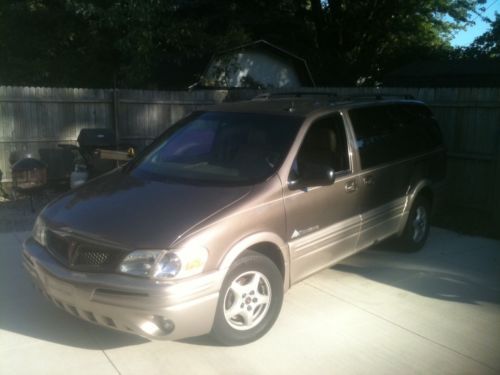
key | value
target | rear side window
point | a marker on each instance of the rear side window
(390, 132)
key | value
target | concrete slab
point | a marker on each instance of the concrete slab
(450, 296)
(379, 312)
(316, 334)
(36, 337)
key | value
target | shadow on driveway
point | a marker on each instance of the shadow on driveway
(459, 269)
(433, 284)
(33, 316)
(26, 312)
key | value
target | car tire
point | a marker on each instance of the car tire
(250, 300)
(417, 227)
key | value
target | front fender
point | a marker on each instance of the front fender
(252, 240)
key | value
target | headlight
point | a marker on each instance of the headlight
(140, 262)
(163, 264)
(169, 266)
(39, 230)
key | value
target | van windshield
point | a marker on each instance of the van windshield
(220, 147)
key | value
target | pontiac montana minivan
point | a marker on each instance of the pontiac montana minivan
(205, 230)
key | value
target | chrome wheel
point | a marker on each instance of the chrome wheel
(247, 300)
(250, 300)
(419, 224)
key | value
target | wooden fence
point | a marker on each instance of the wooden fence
(34, 120)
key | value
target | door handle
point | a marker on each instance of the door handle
(350, 186)
(369, 180)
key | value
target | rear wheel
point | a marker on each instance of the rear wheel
(250, 300)
(417, 227)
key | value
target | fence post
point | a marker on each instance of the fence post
(116, 114)
(496, 184)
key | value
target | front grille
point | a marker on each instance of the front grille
(92, 256)
(80, 255)
(57, 245)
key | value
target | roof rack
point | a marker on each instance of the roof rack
(331, 95)
(377, 96)
(295, 94)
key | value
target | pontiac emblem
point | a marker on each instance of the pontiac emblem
(72, 253)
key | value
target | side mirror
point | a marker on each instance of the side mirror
(312, 174)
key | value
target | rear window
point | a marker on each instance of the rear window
(390, 132)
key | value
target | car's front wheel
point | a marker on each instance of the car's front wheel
(250, 300)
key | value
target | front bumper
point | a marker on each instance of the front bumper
(149, 308)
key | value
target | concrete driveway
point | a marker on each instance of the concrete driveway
(379, 312)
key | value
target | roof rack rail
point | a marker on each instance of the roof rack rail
(295, 94)
(331, 95)
(377, 96)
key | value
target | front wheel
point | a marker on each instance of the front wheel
(417, 227)
(249, 301)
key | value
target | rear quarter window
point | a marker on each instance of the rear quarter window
(390, 132)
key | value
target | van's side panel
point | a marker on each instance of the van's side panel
(323, 227)
(391, 142)
(323, 222)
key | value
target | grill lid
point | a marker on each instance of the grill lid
(28, 164)
(96, 138)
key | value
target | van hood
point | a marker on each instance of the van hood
(136, 213)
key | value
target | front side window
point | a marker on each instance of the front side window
(221, 148)
(325, 144)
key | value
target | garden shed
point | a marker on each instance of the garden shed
(259, 64)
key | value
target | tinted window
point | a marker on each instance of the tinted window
(219, 147)
(415, 128)
(391, 132)
(324, 144)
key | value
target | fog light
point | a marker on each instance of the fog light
(166, 325)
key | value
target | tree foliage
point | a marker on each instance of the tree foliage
(166, 43)
(487, 45)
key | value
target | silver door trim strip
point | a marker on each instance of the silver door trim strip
(387, 211)
(327, 236)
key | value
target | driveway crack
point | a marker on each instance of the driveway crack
(111, 362)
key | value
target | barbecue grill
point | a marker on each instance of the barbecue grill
(90, 164)
(29, 176)
(2, 191)
(89, 140)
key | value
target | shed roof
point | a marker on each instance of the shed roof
(299, 64)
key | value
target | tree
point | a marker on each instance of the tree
(167, 43)
(92, 43)
(367, 37)
(486, 45)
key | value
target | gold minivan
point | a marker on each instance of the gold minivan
(205, 230)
